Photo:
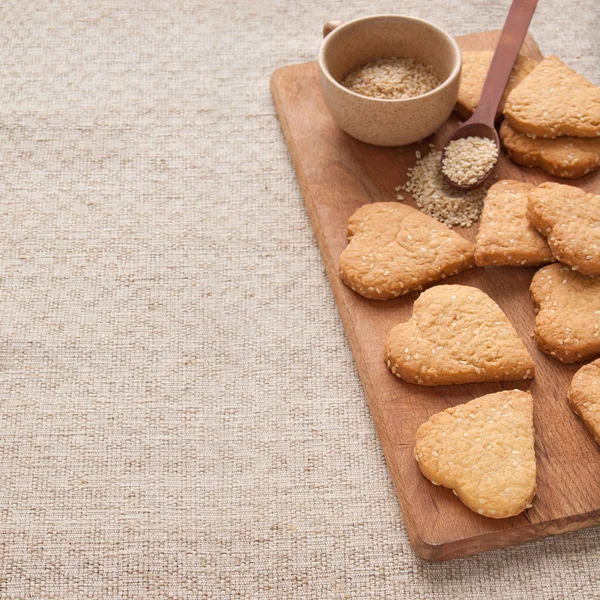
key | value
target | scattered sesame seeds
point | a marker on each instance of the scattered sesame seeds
(437, 199)
(467, 160)
(392, 79)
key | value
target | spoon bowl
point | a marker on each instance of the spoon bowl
(475, 129)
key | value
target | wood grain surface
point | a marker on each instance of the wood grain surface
(337, 174)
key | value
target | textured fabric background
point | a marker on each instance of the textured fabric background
(180, 416)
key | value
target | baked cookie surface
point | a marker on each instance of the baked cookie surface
(395, 249)
(552, 101)
(568, 157)
(474, 71)
(567, 325)
(484, 451)
(505, 236)
(584, 397)
(570, 219)
(457, 334)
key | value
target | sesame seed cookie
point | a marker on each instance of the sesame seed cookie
(394, 249)
(457, 334)
(475, 68)
(567, 324)
(552, 101)
(570, 220)
(505, 235)
(484, 451)
(568, 157)
(584, 397)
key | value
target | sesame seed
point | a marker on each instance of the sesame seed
(392, 79)
(437, 199)
(467, 160)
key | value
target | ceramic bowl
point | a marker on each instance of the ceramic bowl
(388, 122)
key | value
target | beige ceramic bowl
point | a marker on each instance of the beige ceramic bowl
(388, 122)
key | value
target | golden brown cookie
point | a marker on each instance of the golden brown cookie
(474, 71)
(552, 101)
(505, 235)
(484, 451)
(568, 320)
(567, 157)
(584, 397)
(395, 249)
(570, 220)
(457, 334)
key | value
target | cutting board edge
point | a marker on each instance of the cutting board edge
(515, 536)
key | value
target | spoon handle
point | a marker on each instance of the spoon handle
(507, 50)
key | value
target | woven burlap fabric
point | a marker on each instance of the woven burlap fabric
(180, 416)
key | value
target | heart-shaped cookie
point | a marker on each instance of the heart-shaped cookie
(567, 324)
(395, 249)
(457, 334)
(568, 157)
(475, 68)
(584, 397)
(484, 451)
(505, 236)
(570, 220)
(552, 101)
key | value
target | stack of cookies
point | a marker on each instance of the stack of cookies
(552, 114)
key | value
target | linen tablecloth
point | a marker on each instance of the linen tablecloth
(180, 416)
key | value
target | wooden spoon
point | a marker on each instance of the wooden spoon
(481, 123)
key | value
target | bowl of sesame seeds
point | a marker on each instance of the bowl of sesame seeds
(389, 80)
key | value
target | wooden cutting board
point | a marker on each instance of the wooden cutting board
(337, 174)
